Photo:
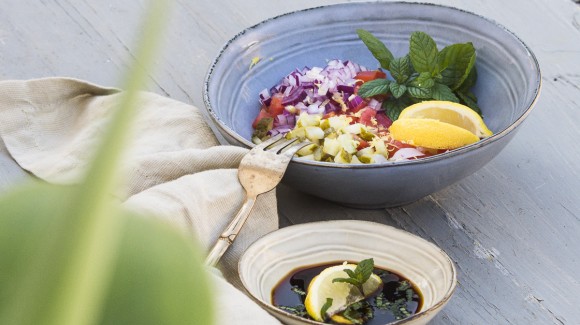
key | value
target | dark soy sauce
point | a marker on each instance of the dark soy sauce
(387, 305)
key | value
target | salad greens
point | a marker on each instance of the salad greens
(424, 73)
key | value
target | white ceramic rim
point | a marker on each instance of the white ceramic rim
(345, 224)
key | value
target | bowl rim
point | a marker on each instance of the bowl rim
(451, 153)
(345, 225)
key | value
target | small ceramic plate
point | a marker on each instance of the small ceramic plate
(277, 254)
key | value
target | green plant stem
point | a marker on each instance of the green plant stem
(89, 265)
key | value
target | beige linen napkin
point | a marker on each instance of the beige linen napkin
(175, 167)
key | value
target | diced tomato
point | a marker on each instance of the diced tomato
(362, 143)
(276, 107)
(370, 75)
(263, 113)
(366, 116)
(399, 145)
(383, 120)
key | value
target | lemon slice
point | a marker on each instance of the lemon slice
(342, 294)
(430, 133)
(448, 112)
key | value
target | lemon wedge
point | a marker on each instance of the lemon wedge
(448, 112)
(430, 133)
(342, 294)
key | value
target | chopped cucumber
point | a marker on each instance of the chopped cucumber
(331, 146)
(314, 133)
(354, 128)
(339, 122)
(347, 143)
(342, 157)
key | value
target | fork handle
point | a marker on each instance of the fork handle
(230, 233)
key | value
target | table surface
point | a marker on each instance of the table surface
(513, 228)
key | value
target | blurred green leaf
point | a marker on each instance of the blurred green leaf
(159, 278)
(68, 255)
(155, 275)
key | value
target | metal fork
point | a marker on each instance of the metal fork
(259, 172)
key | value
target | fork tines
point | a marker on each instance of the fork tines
(279, 145)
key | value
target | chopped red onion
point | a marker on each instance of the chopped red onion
(383, 119)
(355, 101)
(300, 105)
(311, 90)
(345, 88)
(282, 119)
(296, 95)
(374, 104)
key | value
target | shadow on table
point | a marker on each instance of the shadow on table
(295, 207)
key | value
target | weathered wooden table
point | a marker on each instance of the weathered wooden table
(513, 228)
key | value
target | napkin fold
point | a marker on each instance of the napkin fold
(175, 167)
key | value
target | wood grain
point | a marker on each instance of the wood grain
(513, 228)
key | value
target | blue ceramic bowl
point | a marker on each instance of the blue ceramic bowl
(508, 85)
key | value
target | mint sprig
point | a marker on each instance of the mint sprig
(360, 275)
(425, 73)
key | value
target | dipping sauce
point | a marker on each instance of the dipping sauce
(399, 298)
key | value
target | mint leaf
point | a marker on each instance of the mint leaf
(424, 80)
(397, 90)
(470, 80)
(469, 99)
(360, 275)
(458, 60)
(350, 273)
(365, 269)
(421, 93)
(298, 310)
(423, 53)
(374, 87)
(464, 93)
(442, 92)
(325, 307)
(354, 281)
(297, 290)
(423, 74)
(381, 302)
(401, 69)
(376, 47)
(394, 106)
(359, 312)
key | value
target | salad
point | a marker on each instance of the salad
(347, 110)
